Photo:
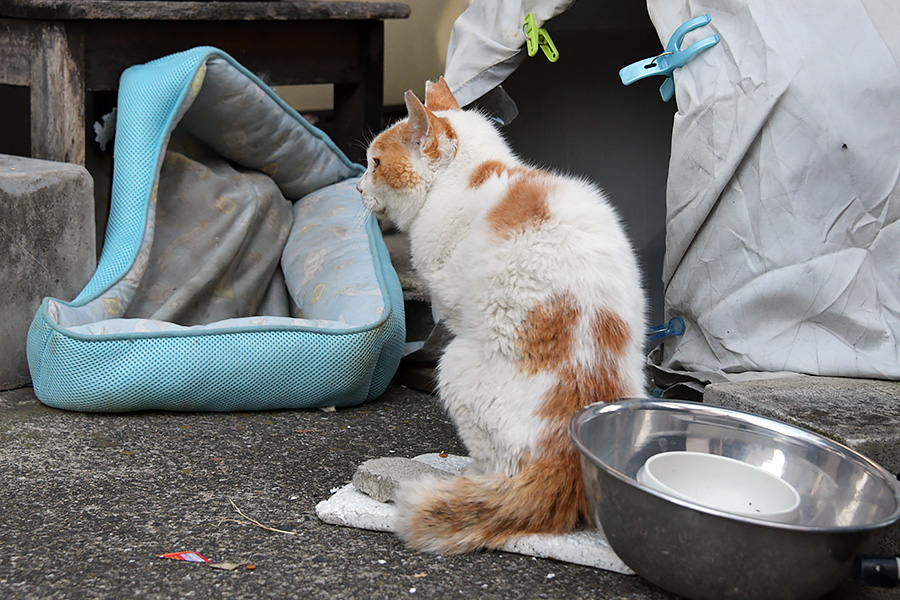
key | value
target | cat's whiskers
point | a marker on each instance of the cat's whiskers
(367, 138)
(360, 220)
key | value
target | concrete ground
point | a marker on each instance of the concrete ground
(89, 500)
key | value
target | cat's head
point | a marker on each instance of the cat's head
(404, 159)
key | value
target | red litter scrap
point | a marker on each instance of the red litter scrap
(188, 556)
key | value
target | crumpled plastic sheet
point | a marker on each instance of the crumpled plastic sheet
(486, 43)
(783, 198)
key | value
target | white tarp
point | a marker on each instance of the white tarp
(782, 235)
(486, 43)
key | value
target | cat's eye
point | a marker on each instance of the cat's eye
(377, 162)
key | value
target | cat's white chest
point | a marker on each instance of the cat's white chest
(441, 244)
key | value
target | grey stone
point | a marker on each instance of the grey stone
(380, 477)
(863, 414)
(47, 247)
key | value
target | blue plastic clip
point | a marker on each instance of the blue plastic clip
(673, 57)
(674, 326)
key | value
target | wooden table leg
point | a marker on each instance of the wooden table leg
(358, 107)
(57, 92)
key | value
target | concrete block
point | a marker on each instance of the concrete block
(47, 247)
(380, 477)
(863, 414)
(414, 288)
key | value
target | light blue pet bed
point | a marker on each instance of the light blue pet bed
(240, 270)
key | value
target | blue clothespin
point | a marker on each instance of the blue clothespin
(673, 57)
(674, 326)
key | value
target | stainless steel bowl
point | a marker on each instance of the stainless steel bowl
(699, 552)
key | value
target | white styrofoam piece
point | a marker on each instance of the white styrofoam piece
(351, 508)
(585, 547)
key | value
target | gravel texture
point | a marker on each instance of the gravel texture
(89, 500)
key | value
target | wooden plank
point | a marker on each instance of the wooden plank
(281, 52)
(16, 52)
(57, 93)
(201, 11)
(358, 106)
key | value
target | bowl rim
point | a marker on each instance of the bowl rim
(624, 404)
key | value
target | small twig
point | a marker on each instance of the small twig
(230, 520)
(258, 524)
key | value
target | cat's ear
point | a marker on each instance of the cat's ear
(438, 96)
(429, 134)
(418, 122)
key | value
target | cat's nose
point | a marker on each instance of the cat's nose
(359, 186)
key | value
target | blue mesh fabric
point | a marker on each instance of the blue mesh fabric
(242, 368)
(150, 98)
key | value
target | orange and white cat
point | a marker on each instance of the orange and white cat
(534, 275)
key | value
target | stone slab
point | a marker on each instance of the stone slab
(47, 247)
(380, 477)
(863, 414)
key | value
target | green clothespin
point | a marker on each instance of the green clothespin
(538, 37)
(547, 45)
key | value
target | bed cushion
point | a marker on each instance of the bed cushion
(240, 270)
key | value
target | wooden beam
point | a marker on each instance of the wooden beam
(359, 105)
(281, 52)
(57, 93)
(15, 52)
(182, 10)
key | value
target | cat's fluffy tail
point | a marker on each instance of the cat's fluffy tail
(463, 514)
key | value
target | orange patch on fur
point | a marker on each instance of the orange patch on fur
(492, 168)
(560, 459)
(546, 336)
(438, 126)
(578, 386)
(485, 171)
(524, 206)
(439, 97)
(610, 332)
(394, 169)
(545, 342)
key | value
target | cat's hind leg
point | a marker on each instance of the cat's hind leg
(493, 405)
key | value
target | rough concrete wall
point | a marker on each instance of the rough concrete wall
(47, 248)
